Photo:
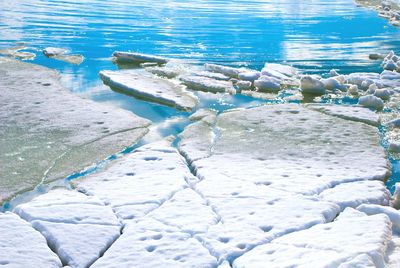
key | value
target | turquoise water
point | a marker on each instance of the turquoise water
(315, 35)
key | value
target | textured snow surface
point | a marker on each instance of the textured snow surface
(260, 169)
(23, 246)
(145, 85)
(49, 133)
(78, 228)
(352, 240)
(150, 175)
(354, 113)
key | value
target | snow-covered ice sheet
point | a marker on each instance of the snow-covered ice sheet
(49, 133)
(145, 85)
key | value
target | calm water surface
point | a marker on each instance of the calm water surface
(315, 35)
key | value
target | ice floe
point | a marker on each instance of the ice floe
(18, 53)
(207, 84)
(145, 85)
(63, 55)
(50, 133)
(138, 57)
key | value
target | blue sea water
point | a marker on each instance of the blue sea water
(314, 35)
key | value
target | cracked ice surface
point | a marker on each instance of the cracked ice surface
(77, 227)
(352, 240)
(261, 167)
(141, 181)
(23, 246)
(48, 133)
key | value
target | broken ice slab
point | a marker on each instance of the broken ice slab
(16, 52)
(62, 54)
(23, 246)
(144, 85)
(133, 57)
(78, 228)
(225, 70)
(49, 133)
(148, 176)
(207, 84)
(353, 240)
(151, 243)
(353, 113)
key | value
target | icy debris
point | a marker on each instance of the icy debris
(16, 52)
(332, 84)
(249, 75)
(311, 85)
(333, 73)
(371, 101)
(396, 196)
(57, 133)
(376, 56)
(54, 51)
(23, 246)
(151, 174)
(144, 85)
(265, 83)
(216, 76)
(62, 54)
(138, 57)
(394, 147)
(207, 84)
(150, 243)
(243, 85)
(77, 227)
(287, 70)
(201, 113)
(353, 194)
(383, 93)
(353, 90)
(164, 71)
(225, 70)
(353, 113)
(348, 239)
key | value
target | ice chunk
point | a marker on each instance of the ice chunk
(332, 83)
(142, 84)
(353, 194)
(23, 246)
(383, 93)
(138, 57)
(312, 85)
(201, 113)
(265, 83)
(396, 196)
(249, 76)
(283, 69)
(207, 84)
(225, 70)
(16, 52)
(50, 136)
(371, 101)
(54, 51)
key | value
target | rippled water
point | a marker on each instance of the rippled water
(315, 35)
